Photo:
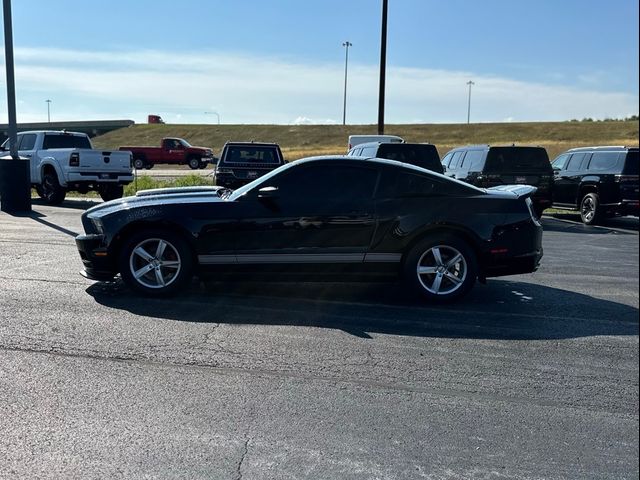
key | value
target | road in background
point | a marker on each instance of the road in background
(532, 376)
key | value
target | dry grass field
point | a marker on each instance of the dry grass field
(299, 141)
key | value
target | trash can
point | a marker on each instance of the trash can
(15, 185)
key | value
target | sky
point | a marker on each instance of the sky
(283, 61)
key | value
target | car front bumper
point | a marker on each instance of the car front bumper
(96, 260)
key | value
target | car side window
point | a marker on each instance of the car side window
(603, 161)
(369, 151)
(326, 184)
(560, 162)
(27, 142)
(473, 160)
(575, 162)
(447, 159)
(456, 159)
(405, 184)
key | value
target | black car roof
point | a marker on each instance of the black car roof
(486, 147)
(257, 144)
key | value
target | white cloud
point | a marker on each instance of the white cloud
(246, 89)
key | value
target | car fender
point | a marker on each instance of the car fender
(53, 162)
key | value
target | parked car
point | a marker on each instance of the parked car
(62, 161)
(422, 155)
(489, 166)
(358, 139)
(243, 162)
(172, 151)
(597, 181)
(338, 218)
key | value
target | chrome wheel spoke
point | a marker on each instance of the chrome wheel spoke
(437, 282)
(160, 250)
(141, 252)
(143, 271)
(436, 255)
(453, 278)
(159, 277)
(454, 260)
(170, 264)
(422, 270)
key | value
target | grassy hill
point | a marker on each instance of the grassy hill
(299, 141)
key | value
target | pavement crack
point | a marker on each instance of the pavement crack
(245, 450)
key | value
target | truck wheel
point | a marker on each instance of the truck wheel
(156, 262)
(110, 192)
(590, 210)
(52, 192)
(194, 163)
(39, 190)
(440, 268)
(139, 163)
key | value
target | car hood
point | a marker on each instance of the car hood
(157, 197)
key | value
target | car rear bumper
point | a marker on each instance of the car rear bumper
(96, 260)
(96, 177)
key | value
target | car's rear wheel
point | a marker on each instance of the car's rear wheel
(590, 210)
(441, 268)
(52, 192)
(139, 163)
(156, 262)
(110, 192)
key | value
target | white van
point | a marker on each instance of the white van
(358, 139)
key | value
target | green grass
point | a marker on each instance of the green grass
(299, 141)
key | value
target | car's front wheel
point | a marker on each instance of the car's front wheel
(156, 262)
(441, 268)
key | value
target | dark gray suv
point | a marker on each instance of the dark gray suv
(489, 166)
(422, 155)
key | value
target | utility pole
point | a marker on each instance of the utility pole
(15, 181)
(48, 111)
(383, 66)
(214, 113)
(346, 62)
(469, 103)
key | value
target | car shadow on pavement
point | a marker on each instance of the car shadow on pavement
(571, 223)
(73, 203)
(502, 309)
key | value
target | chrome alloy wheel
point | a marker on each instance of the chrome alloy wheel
(155, 263)
(442, 270)
(588, 209)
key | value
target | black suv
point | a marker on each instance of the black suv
(489, 166)
(597, 181)
(422, 155)
(243, 162)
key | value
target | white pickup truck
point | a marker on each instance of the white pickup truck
(66, 161)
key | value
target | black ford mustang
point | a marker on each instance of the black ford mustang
(325, 217)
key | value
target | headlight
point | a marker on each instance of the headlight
(97, 224)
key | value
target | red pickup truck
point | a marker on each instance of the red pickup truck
(172, 151)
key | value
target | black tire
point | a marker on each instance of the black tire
(165, 275)
(591, 212)
(110, 192)
(39, 190)
(442, 276)
(194, 163)
(139, 163)
(52, 192)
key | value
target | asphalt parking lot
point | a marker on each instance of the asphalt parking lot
(532, 376)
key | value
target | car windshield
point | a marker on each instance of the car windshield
(517, 159)
(631, 163)
(184, 143)
(265, 178)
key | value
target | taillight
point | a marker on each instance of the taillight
(74, 159)
(627, 178)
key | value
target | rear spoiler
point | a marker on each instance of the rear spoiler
(519, 191)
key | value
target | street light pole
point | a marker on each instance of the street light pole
(383, 67)
(214, 113)
(48, 111)
(469, 103)
(346, 62)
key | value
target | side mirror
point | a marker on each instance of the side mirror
(268, 193)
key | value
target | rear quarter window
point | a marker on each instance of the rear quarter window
(605, 161)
